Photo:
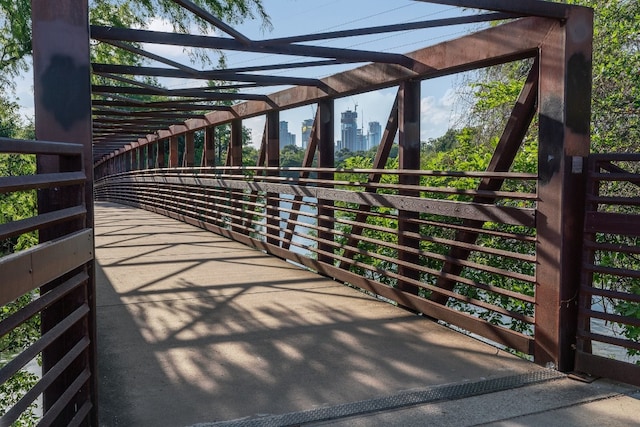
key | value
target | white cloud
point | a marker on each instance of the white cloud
(438, 114)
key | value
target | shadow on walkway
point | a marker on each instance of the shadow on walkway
(195, 328)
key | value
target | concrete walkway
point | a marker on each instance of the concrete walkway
(196, 329)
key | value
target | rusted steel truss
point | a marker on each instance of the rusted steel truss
(120, 117)
(130, 133)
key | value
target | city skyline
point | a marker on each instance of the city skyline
(352, 138)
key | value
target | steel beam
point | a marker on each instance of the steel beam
(272, 157)
(501, 161)
(189, 150)
(525, 7)
(326, 159)
(189, 40)
(409, 158)
(564, 143)
(62, 90)
(209, 146)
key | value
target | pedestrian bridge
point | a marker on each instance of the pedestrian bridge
(194, 328)
(223, 286)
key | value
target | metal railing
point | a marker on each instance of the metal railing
(609, 328)
(439, 247)
(53, 281)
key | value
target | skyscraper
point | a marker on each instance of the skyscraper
(307, 125)
(375, 135)
(349, 130)
(286, 138)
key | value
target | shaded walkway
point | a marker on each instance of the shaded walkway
(195, 328)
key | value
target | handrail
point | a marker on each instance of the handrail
(56, 269)
(305, 220)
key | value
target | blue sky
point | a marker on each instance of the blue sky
(440, 109)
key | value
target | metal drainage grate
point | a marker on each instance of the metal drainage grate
(395, 401)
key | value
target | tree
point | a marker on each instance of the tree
(15, 31)
(616, 81)
(615, 124)
(15, 23)
(15, 206)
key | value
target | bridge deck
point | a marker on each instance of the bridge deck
(195, 328)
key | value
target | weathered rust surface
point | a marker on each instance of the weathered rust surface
(564, 134)
(476, 50)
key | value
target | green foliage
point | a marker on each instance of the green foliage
(15, 206)
(15, 37)
(615, 124)
(13, 390)
(291, 156)
(15, 24)
(616, 77)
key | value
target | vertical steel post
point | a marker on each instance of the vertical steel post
(409, 158)
(127, 158)
(135, 157)
(190, 149)
(160, 153)
(173, 152)
(62, 89)
(235, 147)
(273, 161)
(209, 146)
(235, 159)
(152, 146)
(564, 108)
(326, 159)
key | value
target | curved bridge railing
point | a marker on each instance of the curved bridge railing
(463, 256)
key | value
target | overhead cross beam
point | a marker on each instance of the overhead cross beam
(383, 69)
(208, 42)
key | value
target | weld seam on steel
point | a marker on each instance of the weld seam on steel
(399, 400)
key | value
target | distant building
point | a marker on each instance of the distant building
(307, 125)
(361, 141)
(286, 138)
(375, 135)
(349, 130)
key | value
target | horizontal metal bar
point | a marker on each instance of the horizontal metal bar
(50, 416)
(598, 366)
(609, 340)
(162, 114)
(35, 182)
(615, 200)
(620, 272)
(526, 7)
(180, 105)
(20, 146)
(79, 419)
(39, 265)
(47, 379)
(491, 213)
(208, 42)
(612, 247)
(22, 226)
(225, 170)
(613, 318)
(615, 176)
(44, 301)
(203, 75)
(612, 223)
(17, 363)
(623, 296)
(389, 28)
